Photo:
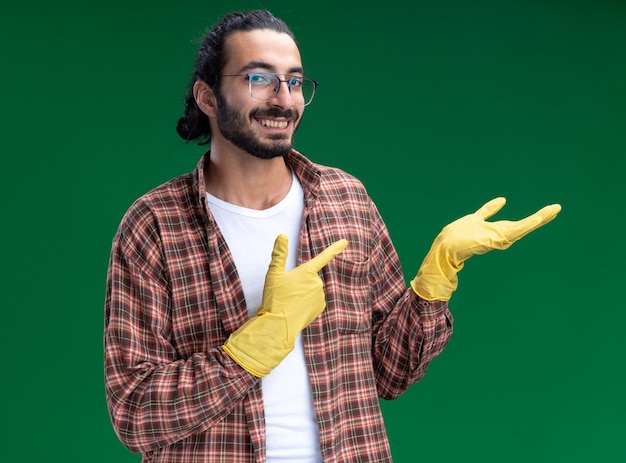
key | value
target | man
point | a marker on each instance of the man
(256, 309)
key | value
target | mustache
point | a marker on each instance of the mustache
(276, 112)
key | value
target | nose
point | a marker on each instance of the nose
(283, 97)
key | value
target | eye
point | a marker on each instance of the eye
(260, 78)
(295, 82)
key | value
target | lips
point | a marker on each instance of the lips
(275, 118)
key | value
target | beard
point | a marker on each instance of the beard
(235, 128)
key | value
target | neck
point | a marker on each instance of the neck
(244, 180)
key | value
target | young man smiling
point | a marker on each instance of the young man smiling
(250, 138)
(256, 309)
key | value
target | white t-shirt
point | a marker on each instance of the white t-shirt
(292, 432)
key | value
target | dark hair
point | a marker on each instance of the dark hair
(194, 125)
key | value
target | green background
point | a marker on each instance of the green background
(437, 106)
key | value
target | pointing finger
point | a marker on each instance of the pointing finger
(324, 257)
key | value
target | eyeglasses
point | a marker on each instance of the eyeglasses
(264, 86)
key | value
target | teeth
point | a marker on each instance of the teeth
(274, 124)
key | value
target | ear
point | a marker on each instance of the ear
(205, 98)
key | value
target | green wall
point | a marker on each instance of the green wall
(437, 106)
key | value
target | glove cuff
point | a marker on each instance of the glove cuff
(236, 357)
(260, 344)
(436, 278)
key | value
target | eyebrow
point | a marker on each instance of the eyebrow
(268, 67)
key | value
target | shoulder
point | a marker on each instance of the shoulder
(340, 185)
(326, 181)
(335, 176)
(166, 203)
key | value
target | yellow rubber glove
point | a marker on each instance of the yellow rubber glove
(468, 236)
(291, 301)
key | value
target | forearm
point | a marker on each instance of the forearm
(411, 336)
(409, 331)
(164, 380)
(154, 405)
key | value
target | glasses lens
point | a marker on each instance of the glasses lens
(308, 90)
(263, 85)
(302, 89)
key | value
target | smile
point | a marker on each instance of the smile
(273, 124)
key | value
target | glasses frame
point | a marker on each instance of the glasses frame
(280, 81)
